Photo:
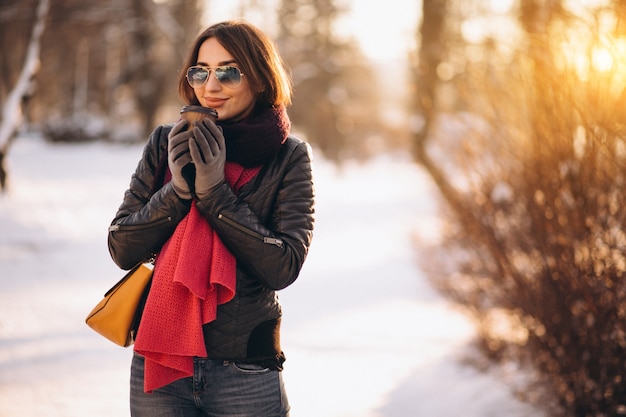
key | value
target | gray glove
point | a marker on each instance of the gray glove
(208, 153)
(178, 157)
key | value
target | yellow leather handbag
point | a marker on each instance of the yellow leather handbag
(117, 316)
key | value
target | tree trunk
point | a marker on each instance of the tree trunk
(425, 80)
(430, 54)
(3, 172)
(12, 113)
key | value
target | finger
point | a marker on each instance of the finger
(201, 131)
(215, 131)
(178, 127)
(181, 156)
(204, 131)
(175, 152)
(183, 159)
(198, 149)
(179, 140)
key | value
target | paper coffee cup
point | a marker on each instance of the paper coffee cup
(194, 114)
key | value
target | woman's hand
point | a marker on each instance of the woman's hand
(208, 152)
(178, 157)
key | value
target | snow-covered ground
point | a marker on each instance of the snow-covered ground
(364, 334)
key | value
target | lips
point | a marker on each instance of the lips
(214, 102)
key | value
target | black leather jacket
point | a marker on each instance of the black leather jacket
(268, 227)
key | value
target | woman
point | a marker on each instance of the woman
(225, 239)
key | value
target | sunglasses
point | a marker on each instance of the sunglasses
(227, 75)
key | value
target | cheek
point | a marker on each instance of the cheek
(249, 96)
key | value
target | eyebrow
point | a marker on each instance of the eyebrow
(219, 64)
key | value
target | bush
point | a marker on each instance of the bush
(534, 239)
(93, 128)
(76, 129)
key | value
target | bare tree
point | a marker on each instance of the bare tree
(425, 81)
(125, 56)
(176, 22)
(336, 103)
(23, 88)
(110, 67)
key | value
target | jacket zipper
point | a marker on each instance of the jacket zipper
(117, 227)
(269, 240)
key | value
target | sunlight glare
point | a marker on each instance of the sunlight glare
(601, 59)
(501, 6)
(386, 32)
(593, 51)
(583, 6)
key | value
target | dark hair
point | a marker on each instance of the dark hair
(257, 57)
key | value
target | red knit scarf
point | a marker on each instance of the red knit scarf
(193, 274)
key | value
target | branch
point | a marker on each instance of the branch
(164, 22)
(12, 113)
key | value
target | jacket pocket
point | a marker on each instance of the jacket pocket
(265, 239)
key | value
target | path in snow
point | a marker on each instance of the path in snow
(365, 336)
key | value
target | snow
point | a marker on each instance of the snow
(363, 332)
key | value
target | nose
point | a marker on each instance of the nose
(211, 83)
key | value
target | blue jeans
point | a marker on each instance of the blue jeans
(217, 389)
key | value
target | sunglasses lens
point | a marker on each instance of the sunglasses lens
(196, 76)
(228, 76)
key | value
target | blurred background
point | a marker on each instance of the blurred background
(514, 110)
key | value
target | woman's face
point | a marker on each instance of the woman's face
(231, 103)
